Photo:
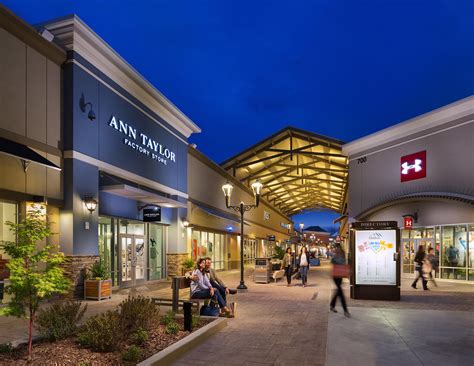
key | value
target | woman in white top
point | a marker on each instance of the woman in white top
(201, 287)
(304, 266)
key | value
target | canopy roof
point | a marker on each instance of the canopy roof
(300, 170)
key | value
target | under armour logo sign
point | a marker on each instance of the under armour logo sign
(413, 166)
(417, 166)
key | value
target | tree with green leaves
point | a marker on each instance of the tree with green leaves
(35, 270)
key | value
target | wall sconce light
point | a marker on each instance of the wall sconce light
(83, 105)
(185, 222)
(91, 204)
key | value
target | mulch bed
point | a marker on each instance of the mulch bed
(69, 352)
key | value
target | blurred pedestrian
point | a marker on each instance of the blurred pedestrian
(433, 265)
(287, 265)
(419, 258)
(304, 266)
(340, 270)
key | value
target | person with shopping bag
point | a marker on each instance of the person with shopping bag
(340, 270)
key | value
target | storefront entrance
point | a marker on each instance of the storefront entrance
(410, 247)
(132, 254)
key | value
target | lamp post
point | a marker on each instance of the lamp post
(242, 208)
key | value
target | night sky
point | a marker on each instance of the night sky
(242, 70)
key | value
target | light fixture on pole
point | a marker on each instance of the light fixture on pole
(242, 208)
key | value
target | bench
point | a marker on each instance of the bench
(178, 283)
(278, 274)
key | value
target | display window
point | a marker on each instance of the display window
(8, 213)
(250, 250)
(208, 244)
(156, 249)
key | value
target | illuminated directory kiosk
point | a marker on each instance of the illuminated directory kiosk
(375, 260)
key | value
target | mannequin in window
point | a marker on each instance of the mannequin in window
(152, 248)
(452, 254)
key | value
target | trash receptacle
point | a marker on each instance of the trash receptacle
(263, 269)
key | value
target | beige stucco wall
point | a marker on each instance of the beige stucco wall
(205, 186)
(30, 101)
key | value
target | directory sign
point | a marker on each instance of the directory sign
(374, 257)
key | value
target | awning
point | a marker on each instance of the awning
(138, 194)
(25, 154)
(217, 213)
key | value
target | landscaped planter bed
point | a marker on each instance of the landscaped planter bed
(69, 352)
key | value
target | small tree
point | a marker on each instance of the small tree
(279, 252)
(35, 273)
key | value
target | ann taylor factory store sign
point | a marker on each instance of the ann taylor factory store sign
(142, 143)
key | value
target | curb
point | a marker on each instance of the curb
(178, 349)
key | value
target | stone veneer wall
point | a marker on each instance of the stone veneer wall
(76, 268)
(175, 263)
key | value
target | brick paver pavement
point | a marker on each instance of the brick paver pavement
(275, 325)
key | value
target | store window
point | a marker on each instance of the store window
(454, 252)
(250, 250)
(107, 250)
(470, 254)
(156, 258)
(206, 244)
(8, 213)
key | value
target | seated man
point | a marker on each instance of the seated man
(217, 283)
(201, 287)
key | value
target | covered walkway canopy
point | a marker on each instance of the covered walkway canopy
(300, 170)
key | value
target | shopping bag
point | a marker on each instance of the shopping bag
(340, 270)
(209, 310)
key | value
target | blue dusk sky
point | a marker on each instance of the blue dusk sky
(242, 70)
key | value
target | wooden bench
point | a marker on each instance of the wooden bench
(178, 283)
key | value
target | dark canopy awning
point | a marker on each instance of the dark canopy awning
(24, 153)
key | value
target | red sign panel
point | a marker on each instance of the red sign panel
(413, 166)
(408, 222)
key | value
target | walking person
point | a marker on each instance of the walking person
(340, 270)
(287, 265)
(304, 266)
(419, 258)
(434, 264)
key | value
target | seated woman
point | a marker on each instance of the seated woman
(201, 287)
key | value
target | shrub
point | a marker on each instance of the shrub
(195, 320)
(132, 354)
(139, 337)
(99, 271)
(6, 348)
(167, 318)
(138, 312)
(188, 264)
(172, 328)
(101, 332)
(60, 320)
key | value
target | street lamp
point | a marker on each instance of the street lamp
(242, 208)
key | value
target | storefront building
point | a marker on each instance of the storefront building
(419, 173)
(125, 163)
(30, 125)
(214, 230)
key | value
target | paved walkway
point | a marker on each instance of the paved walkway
(279, 325)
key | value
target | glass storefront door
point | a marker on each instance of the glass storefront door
(410, 247)
(133, 258)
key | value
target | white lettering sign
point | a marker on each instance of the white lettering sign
(142, 143)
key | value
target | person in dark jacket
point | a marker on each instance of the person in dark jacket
(287, 265)
(338, 259)
(419, 258)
